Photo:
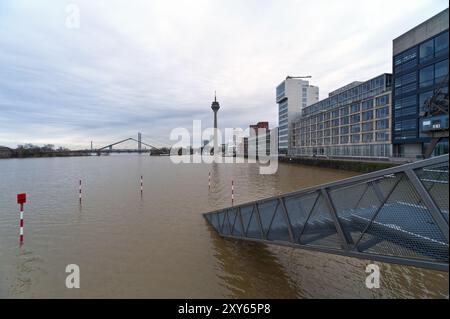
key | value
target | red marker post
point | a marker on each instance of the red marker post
(142, 184)
(21, 199)
(209, 180)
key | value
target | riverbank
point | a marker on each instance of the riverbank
(361, 166)
(40, 155)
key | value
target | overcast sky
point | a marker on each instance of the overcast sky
(151, 66)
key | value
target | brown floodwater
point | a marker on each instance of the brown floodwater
(158, 245)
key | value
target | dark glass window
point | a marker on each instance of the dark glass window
(427, 76)
(440, 71)
(355, 108)
(423, 99)
(344, 111)
(344, 130)
(336, 122)
(355, 118)
(335, 140)
(356, 138)
(382, 100)
(441, 44)
(355, 128)
(367, 115)
(367, 137)
(336, 114)
(367, 105)
(344, 120)
(405, 61)
(344, 139)
(405, 102)
(367, 127)
(426, 51)
(383, 112)
(382, 136)
(382, 124)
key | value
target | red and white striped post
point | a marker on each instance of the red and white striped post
(209, 180)
(79, 191)
(21, 199)
(142, 185)
(232, 192)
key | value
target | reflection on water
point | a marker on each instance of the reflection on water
(157, 245)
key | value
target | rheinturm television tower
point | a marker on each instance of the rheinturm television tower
(215, 107)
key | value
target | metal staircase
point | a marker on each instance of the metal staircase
(397, 215)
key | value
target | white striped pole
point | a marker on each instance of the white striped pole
(232, 192)
(79, 191)
(209, 180)
(21, 199)
(21, 224)
(142, 185)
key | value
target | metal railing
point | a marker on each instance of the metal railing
(397, 215)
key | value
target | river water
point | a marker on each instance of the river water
(158, 245)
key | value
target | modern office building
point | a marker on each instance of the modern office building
(259, 134)
(420, 69)
(354, 121)
(292, 95)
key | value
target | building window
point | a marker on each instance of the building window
(426, 76)
(382, 124)
(356, 138)
(405, 61)
(406, 83)
(423, 100)
(382, 136)
(336, 122)
(367, 105)
(335, 140)
(344, 111)
(344, 139)
(426, 51)
(367, 137)
(382, 100)
(355, 108)
(441, 44)
(336, 114)
(367, 115)
(383, 112)
(406, 106)
(406, 129)
(367, 127)
(344, 130)
(355, 128)
(355, 118)
(344, 120)
(440, 71)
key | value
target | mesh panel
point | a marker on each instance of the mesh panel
(320, 229)
(404, 228)
(227, 224)
(250, 222)
(215, 222)
(298, 209)
(220, 217)
(435, 180)
(266, 212)
(236, 229)
(279, 228)
(357, 205)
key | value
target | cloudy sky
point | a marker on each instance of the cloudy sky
(151, 66)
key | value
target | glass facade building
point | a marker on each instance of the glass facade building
(354, 121)
(420, 67)
(292, 96)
